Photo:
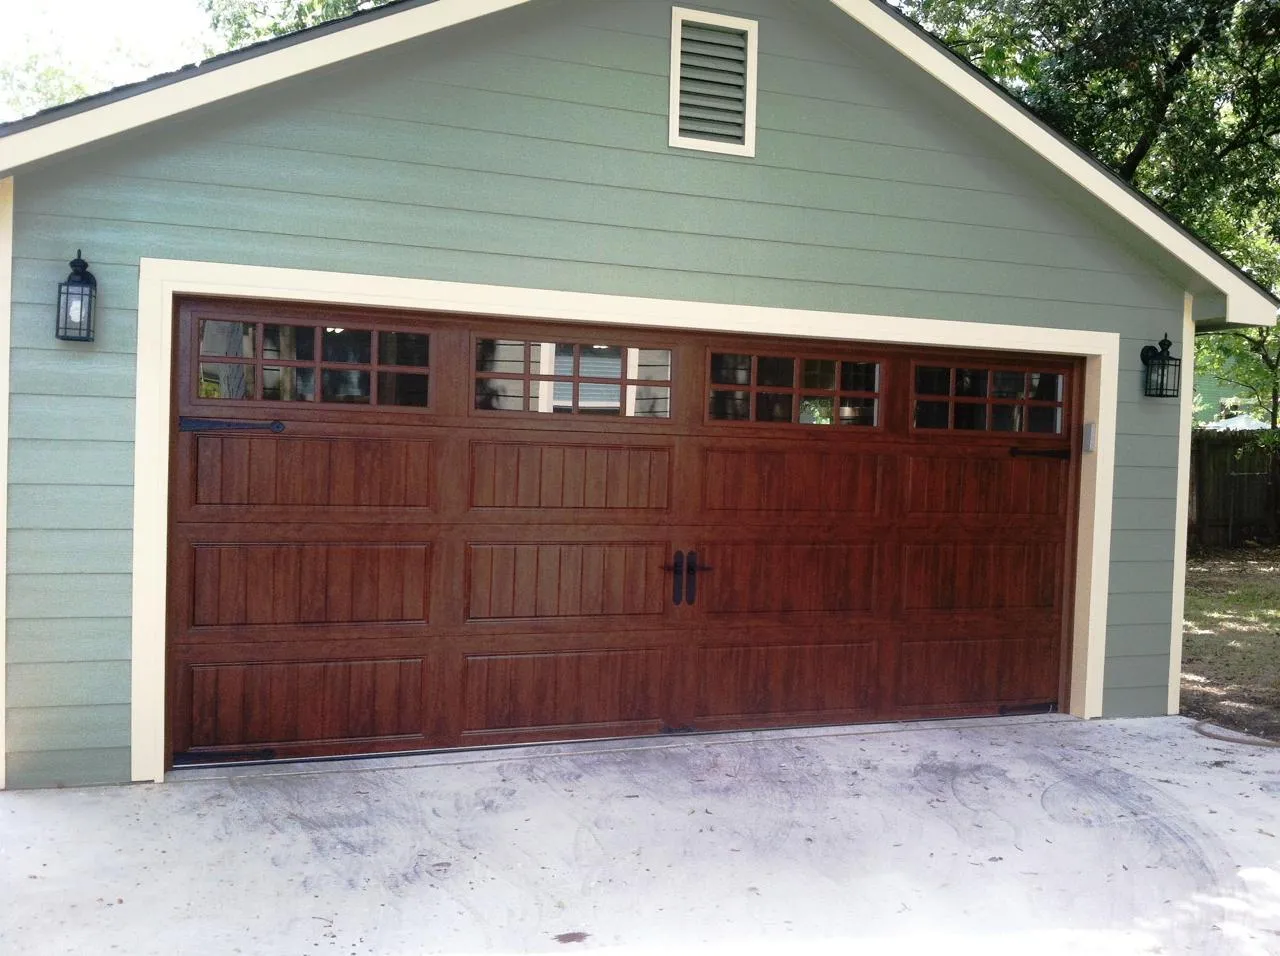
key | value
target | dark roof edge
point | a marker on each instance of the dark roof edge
(211, 65)
(1077, 149)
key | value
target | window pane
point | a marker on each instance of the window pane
(563, 360)
(1044, 420)
(773, 407)
(499, 355)
(1008, 384)
(933, 414)
(815, 410)
(731, 406)
(1006, 418)
(288, 384)
(349, 387)
(859, 411)
(971, 382)
(932, 381)
(500, 394)
(296, 342)
(601, 361)
(232, 339)
(404, 348)
(865, 377)
(653, 365)
(819, 373)
(347, 345)
(730, 369)
(226, 381)
(401, 388)
(559, 394)
(775, 371)
(971, 417)
(651, 401)
(1046, 386)
(596, 399)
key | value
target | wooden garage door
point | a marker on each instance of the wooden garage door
(394, 531)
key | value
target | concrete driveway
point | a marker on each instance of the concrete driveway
(1009, 836)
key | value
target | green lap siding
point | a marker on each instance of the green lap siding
(529, 149)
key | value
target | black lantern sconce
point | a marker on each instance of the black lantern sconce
(1163, 374)
(76, 298)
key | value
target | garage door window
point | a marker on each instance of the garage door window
(978, 399)
(572, 378)
(793, 390)
(278, 362)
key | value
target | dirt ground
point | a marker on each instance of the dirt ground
(1231, 651)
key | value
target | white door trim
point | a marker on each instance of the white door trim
(160, 280)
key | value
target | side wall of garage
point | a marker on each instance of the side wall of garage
(530, 149)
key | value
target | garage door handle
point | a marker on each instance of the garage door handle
(677, 578)
(219, 424)
(691, 587)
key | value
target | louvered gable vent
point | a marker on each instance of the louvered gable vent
(713, 82)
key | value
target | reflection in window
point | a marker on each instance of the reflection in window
(347, 345)
(404, 348)
(289, 342)
(350, 387)
(402, 388)
(226, 381)
(792, 390)
(288, 384)
(226, 339)
(579, 378)
(933, 415)
(998, 400)
(297, 362)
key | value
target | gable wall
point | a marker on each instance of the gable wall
(529, 150)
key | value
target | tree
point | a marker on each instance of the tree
(242, 22)
(1180, 98)
(34, 84)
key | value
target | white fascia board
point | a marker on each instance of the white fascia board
(1245, 305)
(57, 136)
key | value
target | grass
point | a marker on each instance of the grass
(1231, 649)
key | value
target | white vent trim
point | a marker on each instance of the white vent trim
(682, 17)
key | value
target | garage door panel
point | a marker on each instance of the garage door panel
(305, 702)
(846, 482)
(555, 690)
(489, 555)
(788, 578)
(941, 673)
(809, 681)
(970, 576)
(937, 484)
(565, 580)
(280, 472)
(255, 584)
(569, 476)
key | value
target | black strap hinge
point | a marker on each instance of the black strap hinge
(221, 424)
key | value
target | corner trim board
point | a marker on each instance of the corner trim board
(1181, 513)
(6, 323)
(161, 280)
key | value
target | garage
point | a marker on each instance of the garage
(397, 530)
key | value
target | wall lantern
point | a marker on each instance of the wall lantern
(1163, 374)
(76, 297)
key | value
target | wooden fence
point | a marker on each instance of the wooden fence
(1231, 495)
